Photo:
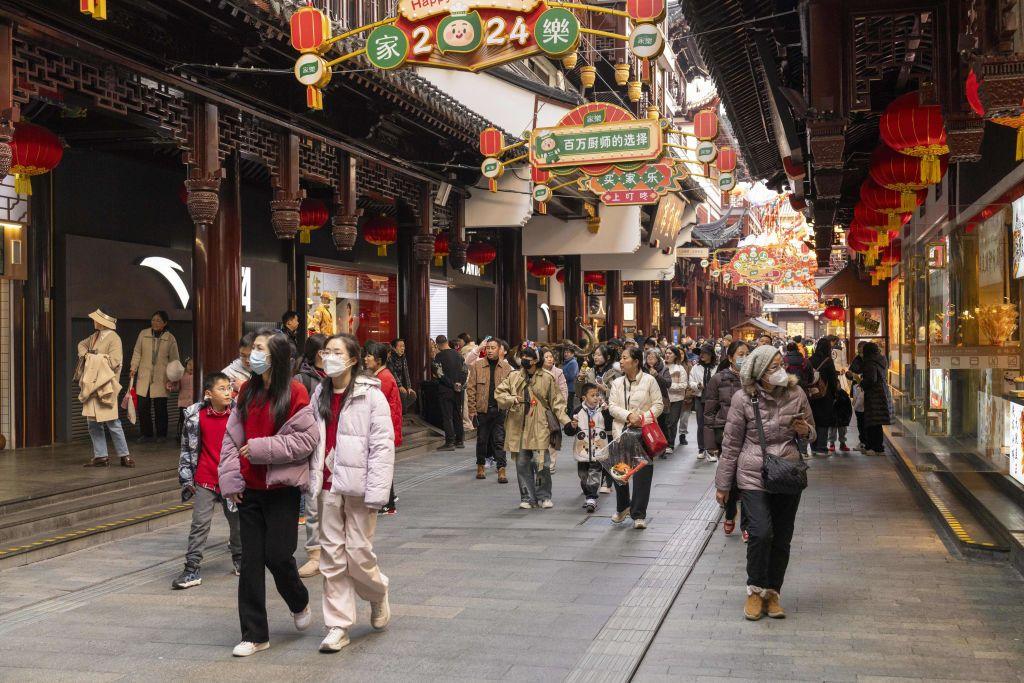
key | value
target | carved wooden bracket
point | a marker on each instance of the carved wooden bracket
(964, 133)
(827, 140)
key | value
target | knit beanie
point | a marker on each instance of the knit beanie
(757, 362)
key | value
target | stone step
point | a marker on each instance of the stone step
(120, 479)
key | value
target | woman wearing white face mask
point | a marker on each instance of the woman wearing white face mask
(717, 399)
(355, 456)
(784, 414)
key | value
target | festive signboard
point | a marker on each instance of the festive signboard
(558, 147)
(644, 185)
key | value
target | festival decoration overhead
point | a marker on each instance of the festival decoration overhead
(313, 215)
(34, 151)
(890, 202)
(542, 269)
(471, 35)
(441, 248)
(481, 254)
(900, 172)
(381, 231)
(917, 130)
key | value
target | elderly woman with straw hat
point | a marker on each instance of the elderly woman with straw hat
(98, 376)
(767, 415)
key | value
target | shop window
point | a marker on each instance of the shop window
(354, 302)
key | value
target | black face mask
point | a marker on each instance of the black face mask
(527, 363)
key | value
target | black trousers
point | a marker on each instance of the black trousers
(148, 406)
(641, 493)
(730, 508)
(270, 529)
(873, 438)
(698, 407)
(490, 437)
(451, 416)
(671, 429)
(770, 519)
(860, 424)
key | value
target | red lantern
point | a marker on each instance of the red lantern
(309, 28)
(560, 276)
(854, 241)
(900, 172)
(381, 231)
(645, 11)
(917, 130)
(543, 269)
(876, 220)
(705, 125)
(441, 248)
(726, 160)
(539, 175)
(835, 313)
(892, 254)
(34, 151)
(480, 254)
(492, 141)
(890, 202)
(312, 216)
(593, 279)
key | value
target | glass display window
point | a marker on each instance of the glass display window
(341, 300)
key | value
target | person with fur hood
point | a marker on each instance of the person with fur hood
(785, 415)
(353, 464)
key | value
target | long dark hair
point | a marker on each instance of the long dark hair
(279, 394)
(314, 343)
(609, 356)
(326, 388)
(822, 351)
(730, 352)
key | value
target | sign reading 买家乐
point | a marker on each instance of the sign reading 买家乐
(643, 185)
(620, 141)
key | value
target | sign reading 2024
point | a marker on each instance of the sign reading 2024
(471, 35)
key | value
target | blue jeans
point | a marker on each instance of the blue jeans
(97, 432)
(533, 469)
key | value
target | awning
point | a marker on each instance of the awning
(641, 274)
(761, 324)
(644, 258)
(510, 207)
(619, 235)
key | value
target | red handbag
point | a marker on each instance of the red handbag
(654, 439)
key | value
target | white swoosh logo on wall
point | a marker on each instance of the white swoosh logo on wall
(169, 269)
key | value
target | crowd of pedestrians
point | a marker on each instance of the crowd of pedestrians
(286, 437)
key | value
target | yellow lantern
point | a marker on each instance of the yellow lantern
(653, 112)
(569, 61)
(634, 90)
(622, 73)
(588, 75)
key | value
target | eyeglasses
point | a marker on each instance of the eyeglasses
(325, 354)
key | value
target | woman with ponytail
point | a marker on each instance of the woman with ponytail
(353, 464)
(265, 461)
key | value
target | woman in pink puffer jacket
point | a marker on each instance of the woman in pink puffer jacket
(353, 464)
(785, 415)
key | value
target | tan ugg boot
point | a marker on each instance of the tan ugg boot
(754, 606)
(772, 607)
(502, 479)
(481, 472)
(312, 566)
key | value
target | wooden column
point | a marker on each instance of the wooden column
(644, 307)
(510, 289)
(706, 311)
(665, 295)
(575, 298)
(693, 306)
(414, 284)
(217, 248)
(613, 304)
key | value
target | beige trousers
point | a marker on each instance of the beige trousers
(347, 561)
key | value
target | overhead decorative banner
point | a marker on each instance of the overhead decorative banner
(644, 185)
(596, 143)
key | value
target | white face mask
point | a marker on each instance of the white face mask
(259, 362)
(779, 378)
(740, 361)
(335, 365)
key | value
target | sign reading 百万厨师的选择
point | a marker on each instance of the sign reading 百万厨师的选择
(618, 142)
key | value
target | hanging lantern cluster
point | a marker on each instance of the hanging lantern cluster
(381, 231)
(313, 215)
(481, 254)
(594, 280)
(917, 130)
(34, 151)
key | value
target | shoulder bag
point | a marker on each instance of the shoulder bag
(778, 474)
(818, 386)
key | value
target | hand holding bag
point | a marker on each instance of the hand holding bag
(655, 442)
(778, 474)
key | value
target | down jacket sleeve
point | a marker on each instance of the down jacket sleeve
(294, 442)
(229, 472)
(380, 461)
(732, 441)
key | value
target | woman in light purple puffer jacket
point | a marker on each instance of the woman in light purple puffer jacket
(355, 455)
(785, 415)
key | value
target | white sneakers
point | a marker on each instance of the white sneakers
(303, 619)
(245, 648)
(639, 523)
(380, 613)
(525, 505)
(547, 504)
(712, 457)
(701, 455)
(621, 516)
(604, 489)
(336, 639)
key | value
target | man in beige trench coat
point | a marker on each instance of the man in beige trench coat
(99, 367)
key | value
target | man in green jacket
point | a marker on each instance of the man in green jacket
(528, 396)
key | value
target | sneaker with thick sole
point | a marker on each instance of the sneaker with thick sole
(336, 639)
(590, 505)
(525, 505)
(639, 523)
(186, 579)
(447, 447)
(701, 455)
(547, 504)
(245, 648)
(387, 511)
(380, 613)
(620, 517)
(303, 619)
(712, 457)
(605, 489)
(237, 566)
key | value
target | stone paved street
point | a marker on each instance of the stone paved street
(483, 591)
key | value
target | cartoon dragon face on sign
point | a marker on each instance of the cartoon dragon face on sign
(460, 31)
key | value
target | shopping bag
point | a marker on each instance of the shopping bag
(624, 456)
(655, 442)
(130, 403)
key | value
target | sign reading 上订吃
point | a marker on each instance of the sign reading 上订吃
(621, 141)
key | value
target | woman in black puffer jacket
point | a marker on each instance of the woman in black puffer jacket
(877, 409)
(717, 399)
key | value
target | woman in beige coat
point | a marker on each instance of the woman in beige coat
(99, 358)
(528, 395)
(154, 349)
(634, 399)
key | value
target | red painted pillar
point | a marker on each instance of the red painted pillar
(613, 304)
(644, 307)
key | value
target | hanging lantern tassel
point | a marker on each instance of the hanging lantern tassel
(438, 260)
(382, 250)
(931, 171)
(303, 236)
(97, 9)
(645, 70)
(23, 184)
(542, 208)
(492, 185)
(314, 98)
